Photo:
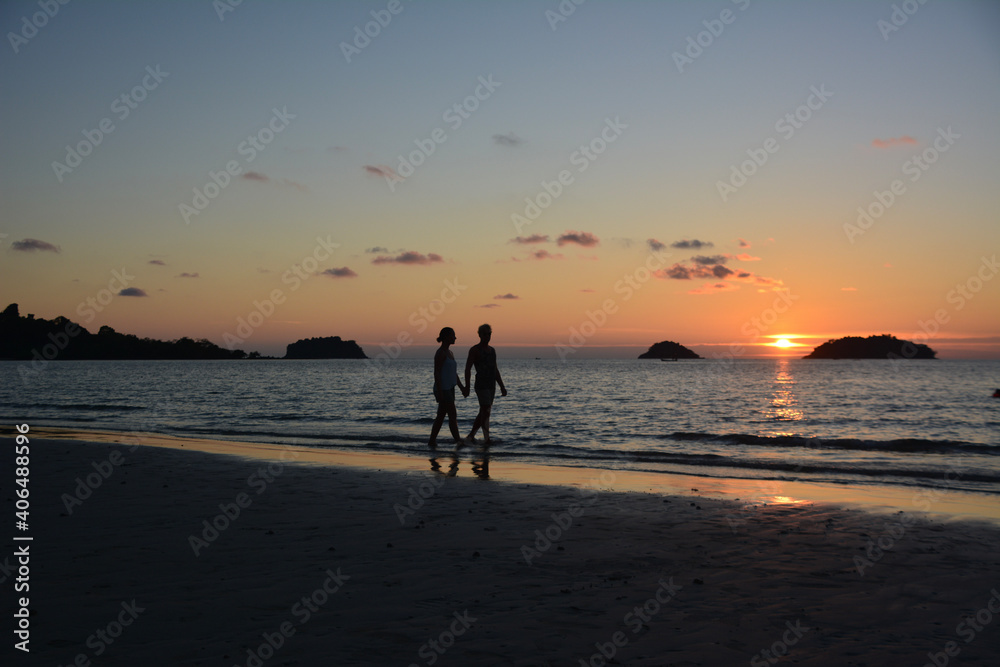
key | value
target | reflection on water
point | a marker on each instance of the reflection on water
(479, 461)
(783, 399)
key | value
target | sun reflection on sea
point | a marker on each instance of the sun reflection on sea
(783, 399)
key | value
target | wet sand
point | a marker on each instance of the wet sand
(153, 550)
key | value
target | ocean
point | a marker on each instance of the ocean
(911, 424)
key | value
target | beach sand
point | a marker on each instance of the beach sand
(330, 562)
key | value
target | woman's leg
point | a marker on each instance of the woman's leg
(436, 427)
(453, 424)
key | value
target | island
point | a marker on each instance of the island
(40, 340)
(331, 347)
(668, 350)
(883, 346)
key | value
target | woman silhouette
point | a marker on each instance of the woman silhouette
(445, 380)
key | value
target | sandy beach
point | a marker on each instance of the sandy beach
(163, 551)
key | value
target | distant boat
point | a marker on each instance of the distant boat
(674, 359)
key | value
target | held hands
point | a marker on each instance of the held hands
(464, 389)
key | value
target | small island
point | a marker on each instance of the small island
(668, 350)
(331, 347)
(883, 346)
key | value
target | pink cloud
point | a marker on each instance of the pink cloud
(719, 272)
(383, 171)
(409, 257)
(264, 178)
(342, 272)
(585, 239)
(534, 238)
(544, 254)
(714, 288)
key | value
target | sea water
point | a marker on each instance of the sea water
(910, 423)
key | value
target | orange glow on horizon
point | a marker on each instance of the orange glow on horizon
(784, 341)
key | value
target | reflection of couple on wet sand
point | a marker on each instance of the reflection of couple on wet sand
(484, 359)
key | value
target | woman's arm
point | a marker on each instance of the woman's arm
(438, 365)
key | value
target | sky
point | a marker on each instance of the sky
(589, 179)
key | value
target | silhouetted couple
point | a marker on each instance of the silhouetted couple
(484, 358)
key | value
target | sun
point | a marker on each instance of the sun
(783, 342)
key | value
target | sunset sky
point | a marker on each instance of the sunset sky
(697, 170)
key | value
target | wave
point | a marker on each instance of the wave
(908, 445)
(98, 407)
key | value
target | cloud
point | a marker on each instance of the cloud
(675, 272)
(534, 238)
(894, 142)
(714, 288)
(655, 245)
(705, 269)
(383, 171)
(585, 239)
(263, 178)
(409, 257)
(692, 244)
(765, 283)
(489, 305)
(544, 254)
(719, 271)
(294, 184)
(188, 275)
(682, 272)
(342, 272)
(588, 290)
(744, 243)
(746, 257)
(158, 262)
(132, 291)
(508, 295)
(32, 245)
(708, 260)
(509, 139)
(374, 250)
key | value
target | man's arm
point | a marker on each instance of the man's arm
(473, 354)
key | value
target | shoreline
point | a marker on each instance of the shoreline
(250, 557)
(941, 503)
